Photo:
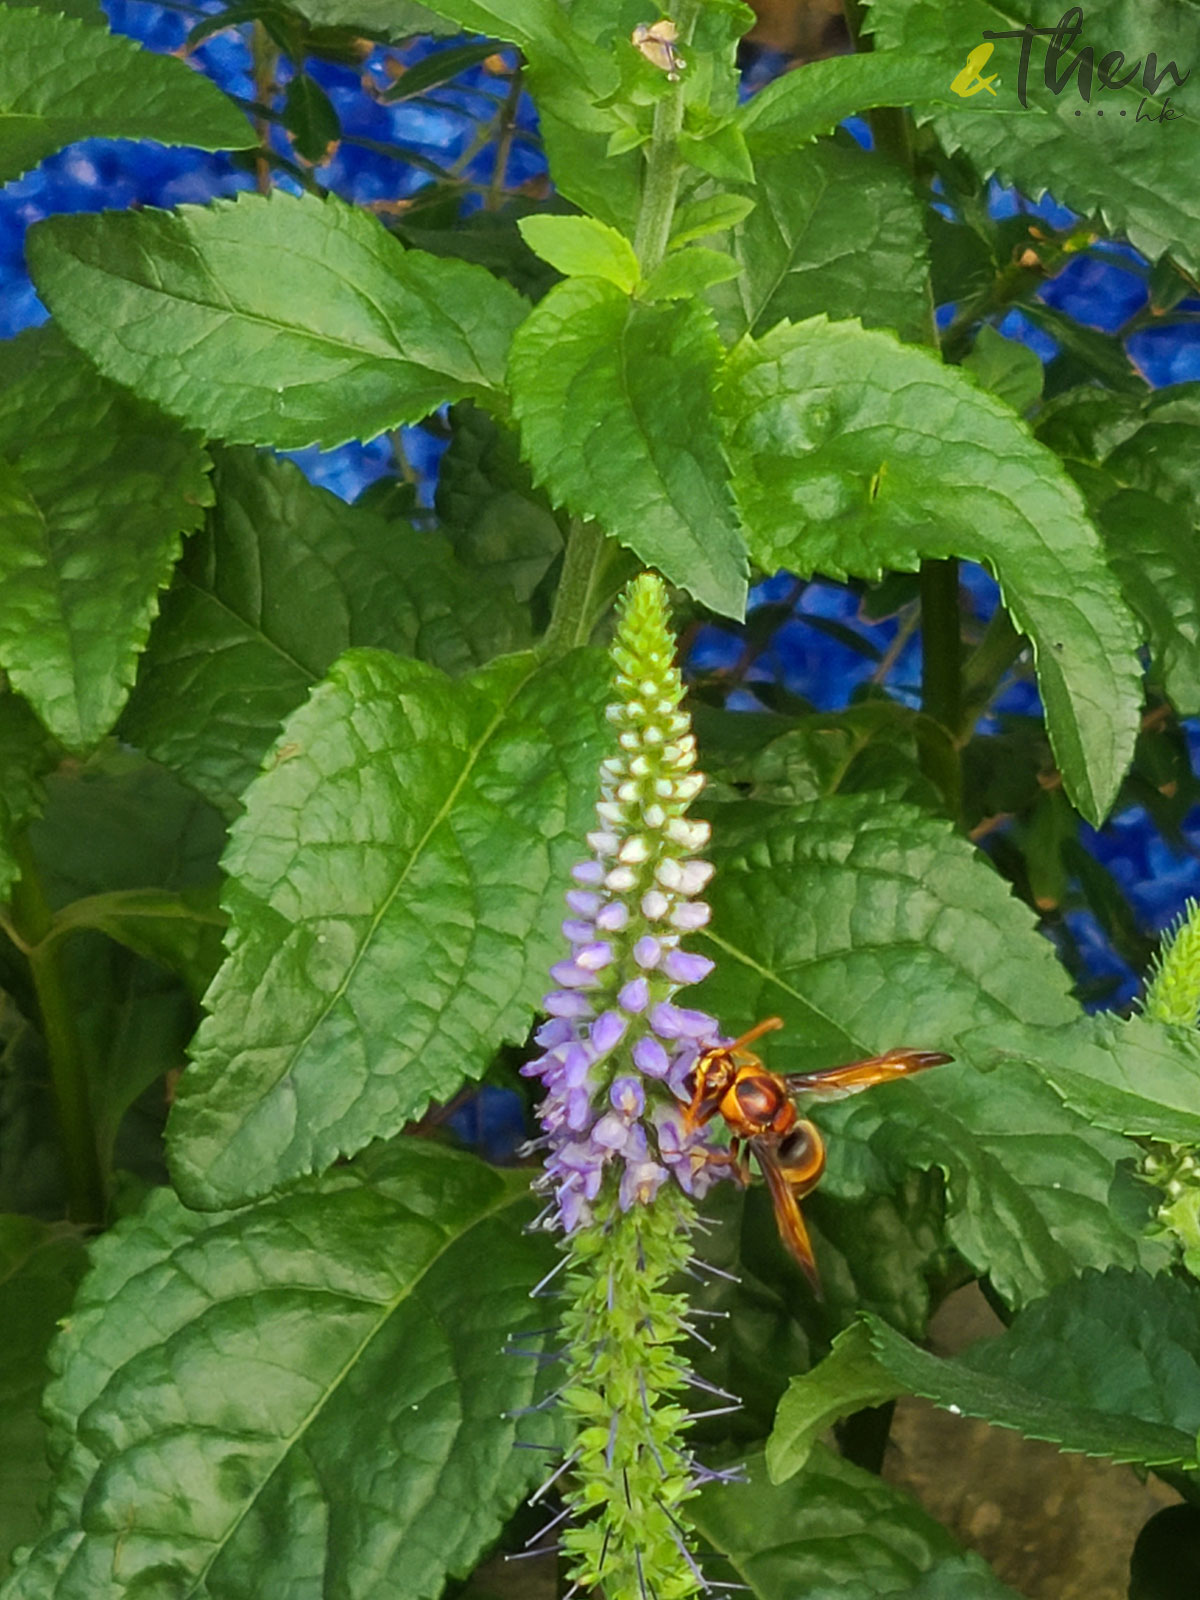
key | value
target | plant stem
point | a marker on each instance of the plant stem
(664, 169)
(575, 605)
(941, 643)
(264, 55)
(504, 139)
(68, 1073)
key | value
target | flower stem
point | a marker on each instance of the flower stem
(664, 169)
(68, 1073)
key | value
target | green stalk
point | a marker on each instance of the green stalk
(32, 921)
(664, 169)
(588, 550)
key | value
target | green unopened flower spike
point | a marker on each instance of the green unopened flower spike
(622, 1166)
(1173, 996)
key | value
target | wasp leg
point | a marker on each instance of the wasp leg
(792, 1230)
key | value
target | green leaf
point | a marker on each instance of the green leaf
(891, 924)
(1106, 1365)
(849, 1378)
(722, 154)
(40, 1266)
(1135, 175)
(834, 1532)
(834, 230)
(311, 118)
(326, 1412)
(282, 581)
(879, 745)
(181, 931)
(63, 80)
(1134, 1076)
(282, 320)
(581, 247)
(586, 365)
(1006, 368)
(97, 490)
(1134, 457)
(31, 1175)
(119, 822)
(440, 66)
(811, 100)
(700, 219)
(501, 527)
(394, 899)
(25, 756)
(690, 272)
(82, 10)
(830, 431)
(379, 19)
(1152, 548)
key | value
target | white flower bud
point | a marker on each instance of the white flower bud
(655, 905)
(634, 851)
(621, 879)
(669, 873)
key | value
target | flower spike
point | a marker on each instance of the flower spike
(622, 1167)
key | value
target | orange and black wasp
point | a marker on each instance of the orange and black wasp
(756, 1104)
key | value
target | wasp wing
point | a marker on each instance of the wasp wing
(832, 1083)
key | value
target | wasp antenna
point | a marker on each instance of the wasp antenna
(771, 1025)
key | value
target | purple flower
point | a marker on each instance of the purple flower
(627, 1096)
(683, 966)
(650, 1057)
(607, 1031)
(677, 1022)
(634, 996)
(647, 952)
(640, 1182)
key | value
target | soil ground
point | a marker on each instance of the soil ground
(1053, 1526)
